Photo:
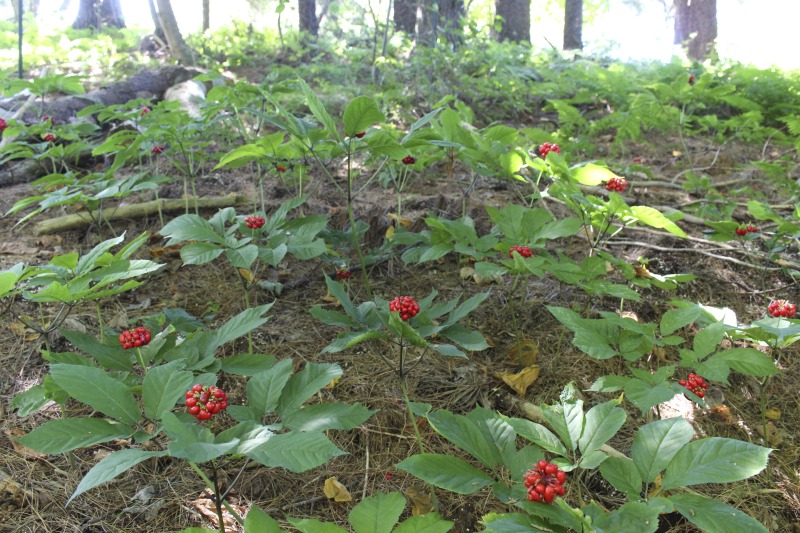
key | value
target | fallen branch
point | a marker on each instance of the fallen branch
(85, 219)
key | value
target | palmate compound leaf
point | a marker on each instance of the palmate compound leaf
(714, 460)
(112, 466)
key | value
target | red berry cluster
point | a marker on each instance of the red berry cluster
(343, 274)
(696, 384)
(134, 338)
(782, 308)
(524, 251)
(544, 482)
(203, 402)
(408, 160)
(741, 231)
(145, 110)
(280, 168)
(406, 305)
(546, 148)
(691, 79)
(49, 137)
(254, 221)
(45, 118)
(157, 149)
(360, 134)
(3, 124)
(616, 184)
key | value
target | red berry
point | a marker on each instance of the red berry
(408, 160)
(524, 251)
(3, 125)
(546, 148)
(280, 168)
(49, 137)
(741, 232)
(616, 184)
(360, 135)
(157, 149)
(405, 305)
(691, 79)
(541, 465)
(191, 402)
(751, 229)
(782, 308)
(197, 388)
(203, 415)
(343, 274)
(550, 469)
(145, 110)
(561, 477)
(534, 496)
(254, 221)
(193, 410)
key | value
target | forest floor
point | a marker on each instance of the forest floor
(163, 495)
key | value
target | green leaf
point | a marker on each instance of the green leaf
(332, 318)
(306, 383)
(591, 174)
(707, 339)
(512, 523)
(264, 389)
(675, 319)
(98, 390)
(318, 110)
(200, 253)
(378, 513)
(296, 451)
(538, 434)
(645, 395)
(257, 521)
(60, 436)
(446, 472)
(243, 257)
(468, 339)
(112, 466)
(89, 260)
(623, 476)
(427, 523)
(111, 357)
(567, 421)
(632, 517)
(657, 443)
(247, 364)
(246, 321)
(714, 460)
(310, 525)
(465, 308)
(465, 434)
(191, 228)
(655, 218)
(361, 113)
(325, 416)
(749, 362)
(602, 422)
(163, 386)
(714, 516)
(29, 401)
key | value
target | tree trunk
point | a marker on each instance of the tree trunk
(177, 46)
(405, 15)
(111, 13)
(87, 16)
(515, 21)
(159, 28)
(206, 14)
(696, 26)
(450, 14)
(573, 25)
(307, 10)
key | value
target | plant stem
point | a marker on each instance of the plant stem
(100, 322)
(211, 485)
(246, 289)
(352, 220)
(513, 308)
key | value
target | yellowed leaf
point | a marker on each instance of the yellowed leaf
(389, 232)
(333, 383)
(772, 413)
(246, 275)
(522, 379)
(420, 501)
(406, 223)
(523, 353)
(336, 491)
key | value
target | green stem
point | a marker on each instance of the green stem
(352, 220)
(246, 289)
(513, 308)
(140, 359)
(211, 485)
(100, 322)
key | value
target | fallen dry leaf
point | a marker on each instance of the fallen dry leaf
(420, 501)
(772, 413)
(406, 223)
(333, 383)
(523, 353)
(336, 491)
(10, 490)
(17, 248)
(18, 329)
(24, 451)
(522, 379)
(466, 273)
(775, 436)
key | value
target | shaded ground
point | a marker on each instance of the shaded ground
(37, 488)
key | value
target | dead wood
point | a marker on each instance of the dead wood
(84, 218)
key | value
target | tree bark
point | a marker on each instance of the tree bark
(177, 46)
(405, 15)
(696, 26)
(206, 14)
(573, 25)
(441, 16)
(515, 21)
(307, 11)
(111, 13)
(87, 16)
